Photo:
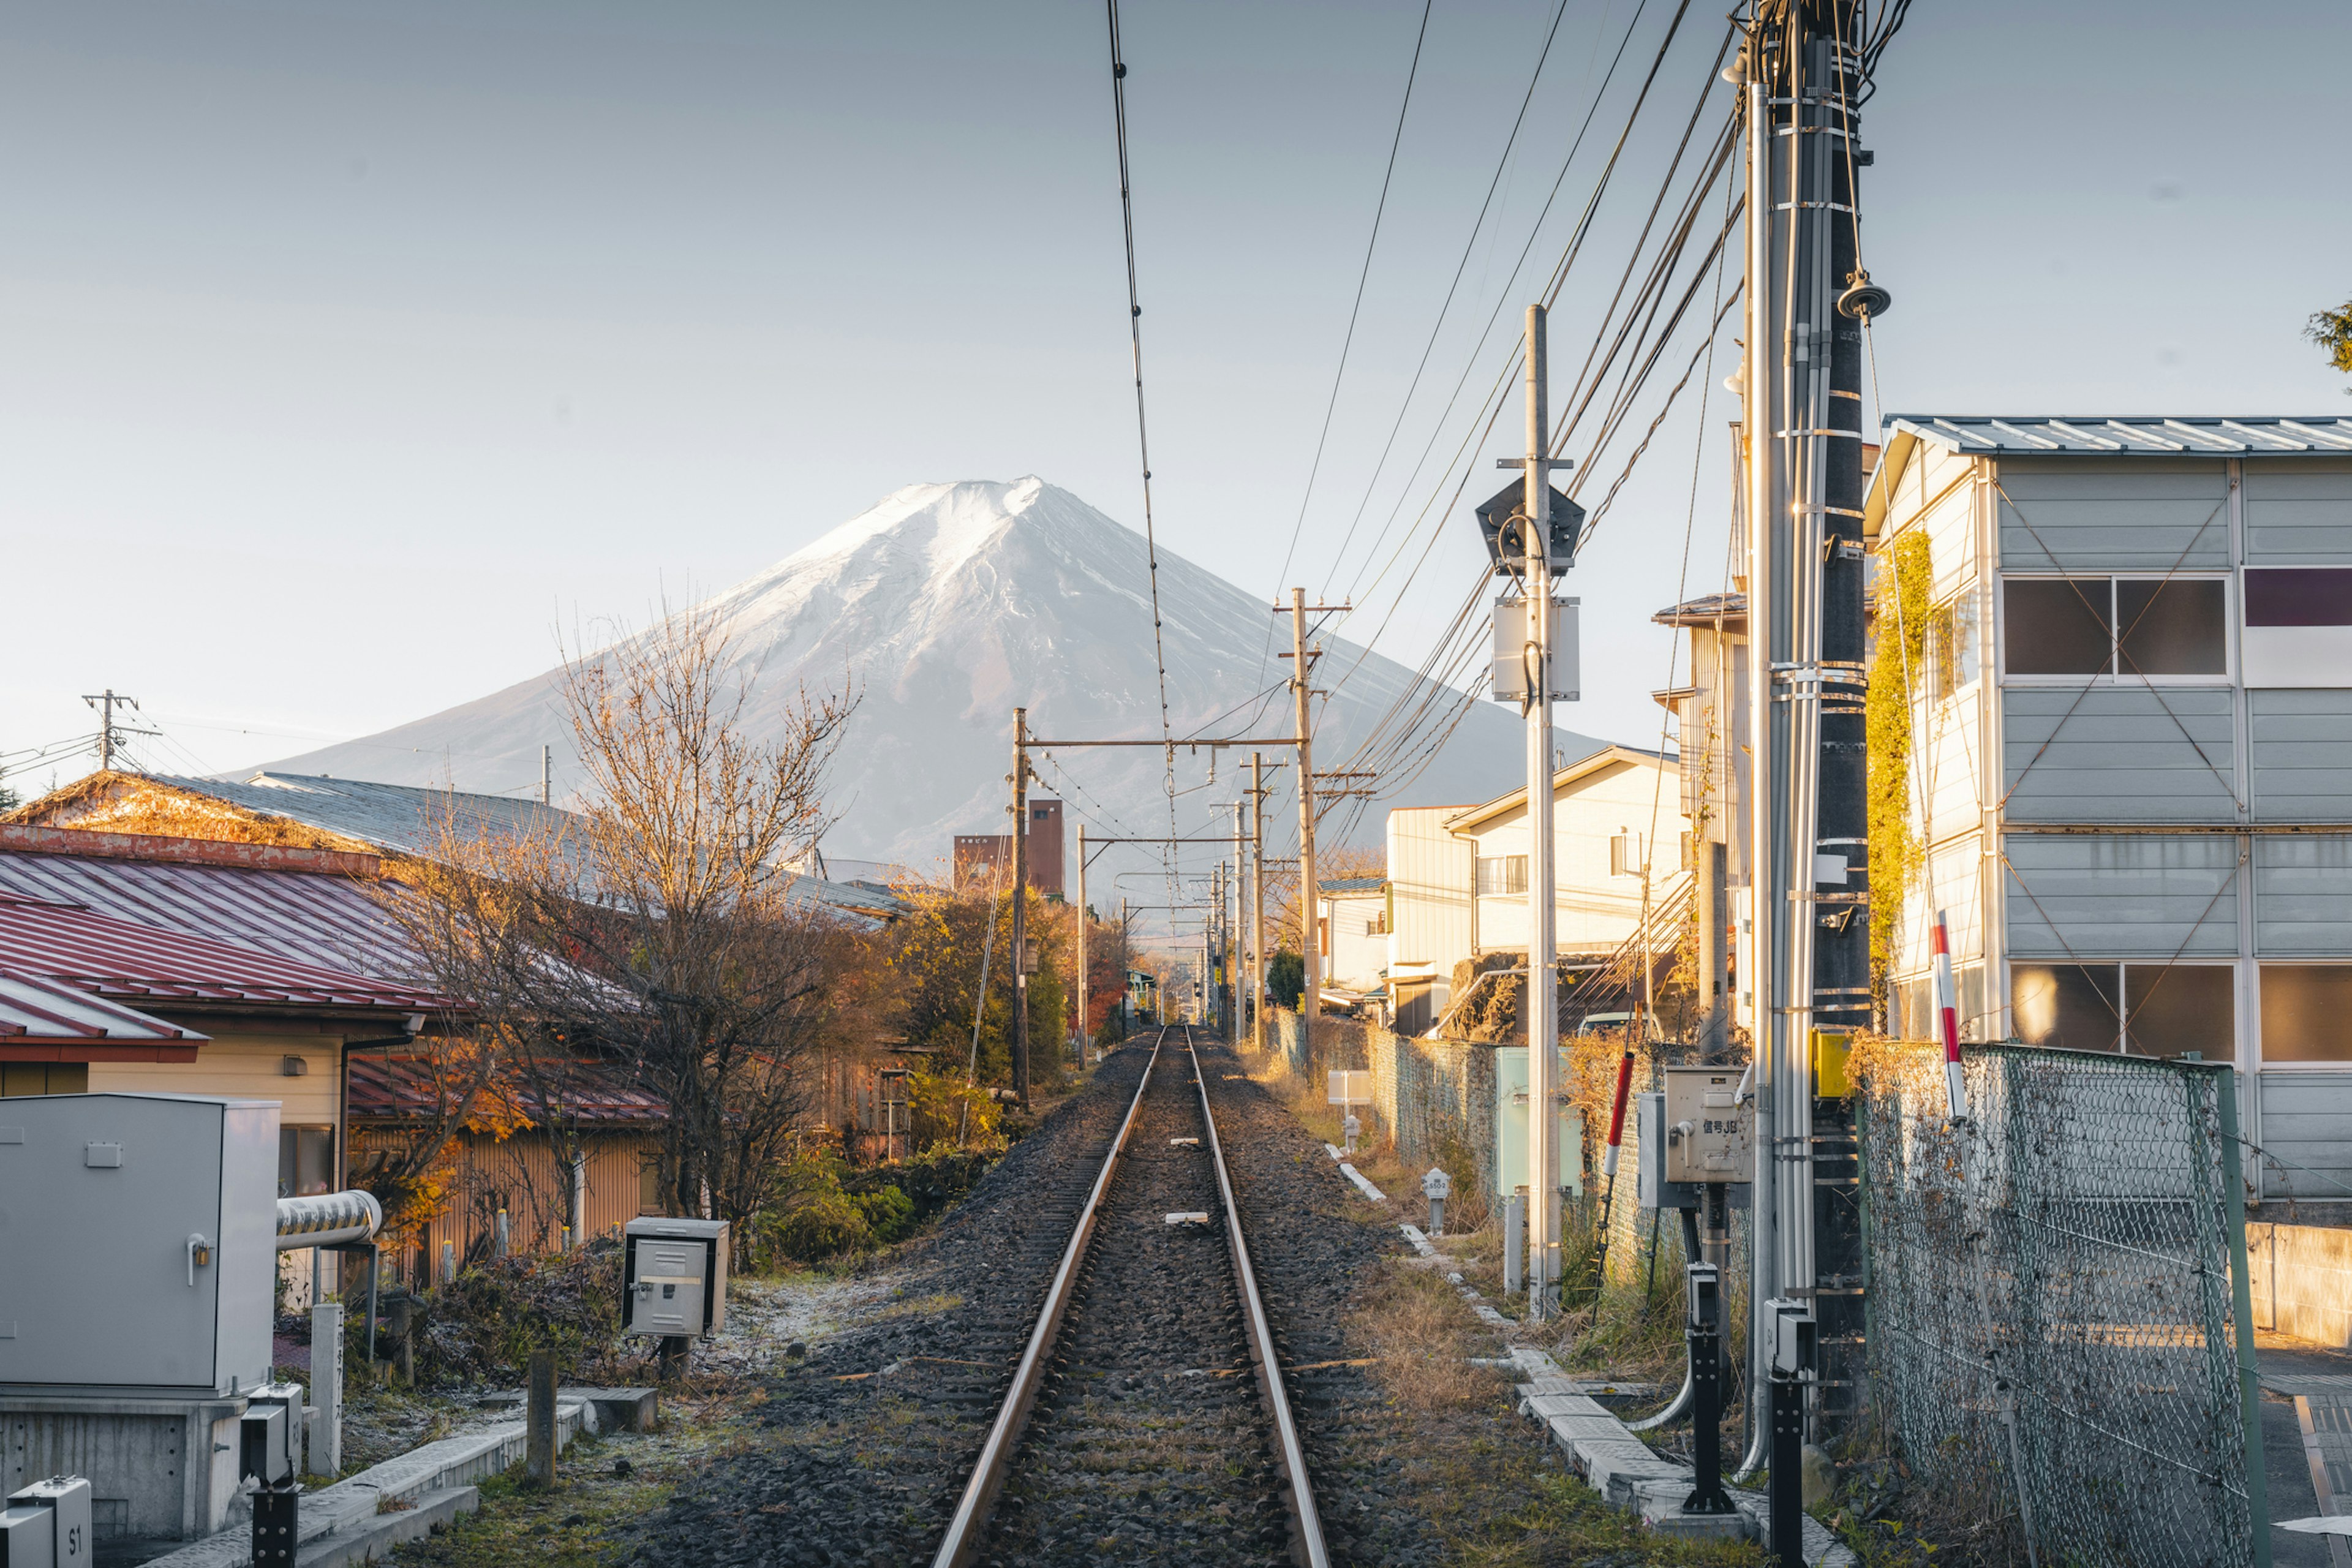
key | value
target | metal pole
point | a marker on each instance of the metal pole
(1310, 998)
(1766, 857)
(1020, 848)
(1543, 1000)
(1257, 902)
(1083, 1033)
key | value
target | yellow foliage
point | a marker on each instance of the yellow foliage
(1898, 670)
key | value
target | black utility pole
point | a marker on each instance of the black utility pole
(1808, 302)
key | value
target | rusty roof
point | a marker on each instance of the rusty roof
(148, 967)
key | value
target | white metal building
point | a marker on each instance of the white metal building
(2132, 753)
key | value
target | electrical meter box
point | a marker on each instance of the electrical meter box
(140, 1255)
(675, 1277)
(1710, 1136)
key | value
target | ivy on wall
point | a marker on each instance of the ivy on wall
(1898, 668)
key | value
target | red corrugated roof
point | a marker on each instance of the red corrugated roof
(149, 967)
(312, 917)
(33, 840)
(394, 1085)
(39, 1013)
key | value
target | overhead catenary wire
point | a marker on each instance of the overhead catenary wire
(1142, 428)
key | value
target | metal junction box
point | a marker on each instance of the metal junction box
(47, 1525)
(140, 1257)
(675, 1273)
(1710, 1137)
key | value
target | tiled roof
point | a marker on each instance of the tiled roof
(39, 1012)
(387, 1086)
(2131, 435)
(1731, 609)
(148, 967)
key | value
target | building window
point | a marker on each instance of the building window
(2122, 627)
(1625, 854)
(1952, 646)
(306, 1161)
(1503, 874)
(2306, 1012)
(2139, 1009)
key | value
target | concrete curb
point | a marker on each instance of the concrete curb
(1356, 1177)
(434, 1510)
(349, 1511)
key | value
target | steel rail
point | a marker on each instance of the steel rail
(1299, 1496)
(967, 1528)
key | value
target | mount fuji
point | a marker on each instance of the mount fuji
(947, 605)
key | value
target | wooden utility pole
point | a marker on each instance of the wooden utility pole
(1237, 965)
(1257, 902)
(1083, 1033)
(1310, 997)
(1020, 848)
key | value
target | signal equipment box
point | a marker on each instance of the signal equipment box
(675, 1276)
(141, 1248)
(1710, 1136)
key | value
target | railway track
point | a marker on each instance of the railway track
(1147, 1409)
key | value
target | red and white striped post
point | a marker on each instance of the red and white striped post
(1947, 1013)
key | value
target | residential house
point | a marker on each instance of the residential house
(1458, 876)
(2132, 763)
(1352, 932)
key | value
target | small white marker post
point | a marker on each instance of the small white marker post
(1347, 1088)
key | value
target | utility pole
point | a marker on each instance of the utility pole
(1020, 848)
(1238, 965)
(1125, 1022)
(106, 702)
(1801, 426)
(1257, 902)
(1083, 1033)
(547, 775)
(1543, 998)
(1310, 997)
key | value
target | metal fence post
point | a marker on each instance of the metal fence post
(2224, 1078)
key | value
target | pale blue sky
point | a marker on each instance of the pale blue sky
(345, 348)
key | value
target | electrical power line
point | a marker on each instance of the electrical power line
(1143, 432)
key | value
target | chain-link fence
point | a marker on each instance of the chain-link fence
(2053, 1318)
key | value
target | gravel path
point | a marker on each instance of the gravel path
(1143, 1449)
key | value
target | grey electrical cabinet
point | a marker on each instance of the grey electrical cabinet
(140, 1253)
(675, 1276)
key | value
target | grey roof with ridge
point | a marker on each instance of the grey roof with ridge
(2130, 435)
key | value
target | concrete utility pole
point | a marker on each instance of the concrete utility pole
(1125, 1022)
(1083, 1033)
(547, 775)
(1020, 848)
(1310, 997)
(1543, 998)
(106, 702)
(1802, 423)
(1257, 902)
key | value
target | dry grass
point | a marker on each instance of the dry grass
(1413, 1324)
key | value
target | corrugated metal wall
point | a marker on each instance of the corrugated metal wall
(2303, 897)
(2122, 895)
(2300, 752)
(2107, 514)
(2119, 753)
(2298, 512)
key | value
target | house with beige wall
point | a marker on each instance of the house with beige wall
(1458, 875)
